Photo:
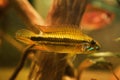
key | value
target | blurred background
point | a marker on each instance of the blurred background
(105, 31)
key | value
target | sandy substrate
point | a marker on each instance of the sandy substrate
(5, 73)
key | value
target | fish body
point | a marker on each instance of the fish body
(61, 39)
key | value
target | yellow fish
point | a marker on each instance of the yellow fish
(59, 39)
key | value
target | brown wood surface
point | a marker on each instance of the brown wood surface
(54, 66)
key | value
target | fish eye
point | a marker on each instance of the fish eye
(93, 42)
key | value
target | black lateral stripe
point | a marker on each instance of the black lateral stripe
(49, 39)
(55, 44)
(48, 43)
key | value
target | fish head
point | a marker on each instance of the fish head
(92, 47)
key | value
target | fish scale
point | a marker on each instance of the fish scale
(69, 35)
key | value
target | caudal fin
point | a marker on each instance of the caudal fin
(24, 35)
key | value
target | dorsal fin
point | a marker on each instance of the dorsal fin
(58, 28)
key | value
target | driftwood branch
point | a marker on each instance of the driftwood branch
(26, 53)
(84, 65)
(54, 66)
(28, 14)
(66, 12)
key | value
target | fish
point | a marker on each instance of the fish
(59, 39)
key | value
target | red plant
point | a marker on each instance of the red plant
(96, 18)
